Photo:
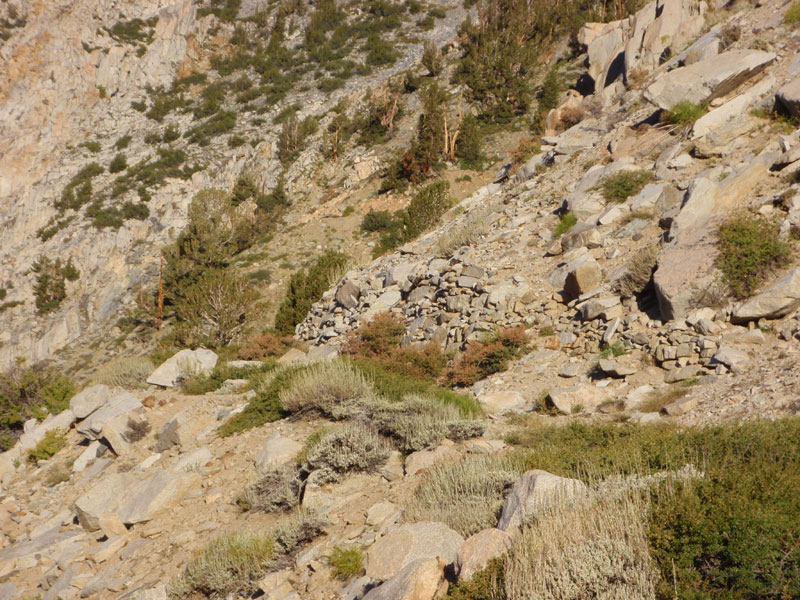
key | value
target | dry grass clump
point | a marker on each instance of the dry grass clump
(419, 422)
(333, 389)
(475, 226)
(379, 341)
(639, 272)
(295, 530)
(466, 495)
(351, 448)
(277, 490)
(232, 563)
(593, 549)
(125, 372)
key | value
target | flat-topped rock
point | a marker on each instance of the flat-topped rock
(707, 79)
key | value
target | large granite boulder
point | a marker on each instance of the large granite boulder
(411, 542)
(180, 365)
(534, 492)
(774, 302)
(708, 79)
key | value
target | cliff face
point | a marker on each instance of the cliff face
(83, 82)
(66, 81)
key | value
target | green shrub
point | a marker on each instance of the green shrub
(792, 15)
(232, 563)
(119, 163)
(122, 142)
(749, 248)
(217, 309)
(426, 208)
(733, 533)
(469, 144)
(204, 383)
(566, 222)
(620, 186)
(53, 441)
(483, 358)
(305, 288)
(684, 112)
(93, 147)
(265, 407)
(346, 562)
(486, 584)
(395, 385)
(615, 349)
(133, 31)
(50, 286)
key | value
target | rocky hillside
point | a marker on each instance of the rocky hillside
(555, 358)
(155, 86)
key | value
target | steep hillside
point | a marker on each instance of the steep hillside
(376, 300)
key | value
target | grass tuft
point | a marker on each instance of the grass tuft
(346, 562)
(684, 113)
(749, 248)
(620, 186)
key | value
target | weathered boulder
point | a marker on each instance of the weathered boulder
(184, 363)
(181, 430)
(722, 116)
(87, 456)
(706, 198)
(277, 450)
(684, 269)
(409, 543)
(422, 460)
(194, 460)
(584, 276)
(774, 302)
(789, 96)
(348, 294)
(119, 405)
(104, 497)
(578, 397)
(733, 358)
(159, 492)
(292, 356)
(29, 439)
(681, 374)
(594, 307)
(582, 136)
(479, 549)
(418, 580)
(89, 400)
(503, 401)
(616, 369)
(535, 491)
(382, 303)
(708, 79)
